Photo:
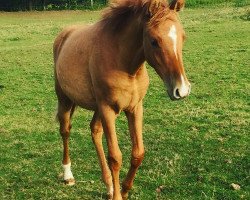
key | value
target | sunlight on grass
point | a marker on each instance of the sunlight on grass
(195, 148)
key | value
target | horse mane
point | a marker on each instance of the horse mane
(118, 14)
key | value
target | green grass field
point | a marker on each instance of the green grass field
(195, 148)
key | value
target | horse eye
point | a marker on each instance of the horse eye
(154, 43)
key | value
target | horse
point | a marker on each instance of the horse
(101, 67)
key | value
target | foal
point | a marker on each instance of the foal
(101, 68)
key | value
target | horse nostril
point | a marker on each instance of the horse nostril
(177, 93)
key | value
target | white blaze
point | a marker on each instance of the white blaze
(173, 35)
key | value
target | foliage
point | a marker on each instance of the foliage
(14, 5)
(195, 148)
(199, 3)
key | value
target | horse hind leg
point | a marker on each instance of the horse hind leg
(65, 112)
(97, 132)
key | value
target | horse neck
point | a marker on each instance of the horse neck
(130, 44)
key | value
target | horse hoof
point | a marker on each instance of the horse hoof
(70, 182)
(125, 196)
(109, 196)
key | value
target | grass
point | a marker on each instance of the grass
(195, 148)
(202, 3)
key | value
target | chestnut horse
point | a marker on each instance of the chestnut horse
(100, 67)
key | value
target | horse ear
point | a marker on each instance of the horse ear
(153, 6)
(176, 5)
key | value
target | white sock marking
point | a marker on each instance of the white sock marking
(67, 174)
(173, 35)
(110, 190)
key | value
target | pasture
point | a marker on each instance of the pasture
(195, 148)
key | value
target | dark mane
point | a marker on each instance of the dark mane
(118, 14)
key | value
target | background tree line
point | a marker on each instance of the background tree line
(25, 5)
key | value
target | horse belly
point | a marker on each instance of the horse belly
(77, 86)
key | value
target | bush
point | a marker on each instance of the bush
(200, 3)
(17, 5)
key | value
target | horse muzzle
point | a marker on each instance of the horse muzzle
(180, 91)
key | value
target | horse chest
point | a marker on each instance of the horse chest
(126, 98)
(125, 94)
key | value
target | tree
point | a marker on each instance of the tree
(30, 5)
(14, 5)
(44, 4)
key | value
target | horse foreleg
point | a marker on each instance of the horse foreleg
(65, 111)
(108, 117)
(97, 132)
(137, 155)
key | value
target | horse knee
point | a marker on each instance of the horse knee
(96, 133)
(115, 161)
(137, 159)
(95, 127)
